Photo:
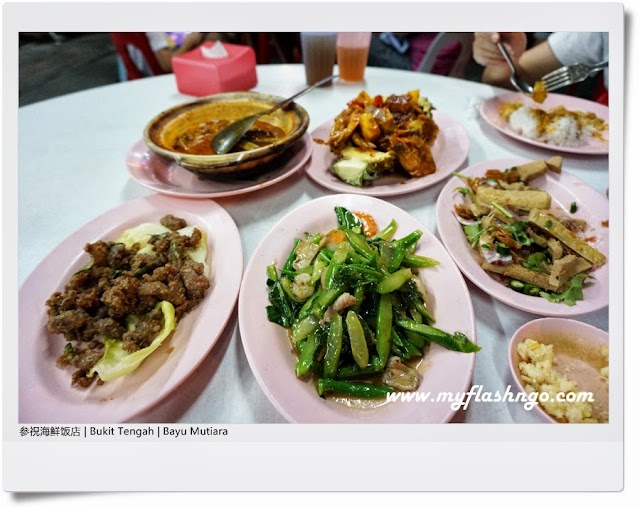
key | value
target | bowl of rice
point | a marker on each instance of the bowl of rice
(563, 365)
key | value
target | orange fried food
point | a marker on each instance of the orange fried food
(539, 92)
(398, 124)
(343, 127)
(414, 154)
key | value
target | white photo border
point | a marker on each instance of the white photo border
(226, 465)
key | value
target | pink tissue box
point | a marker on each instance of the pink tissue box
(198, 75)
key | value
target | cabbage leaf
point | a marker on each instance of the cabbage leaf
(142, 234)
(117, 362)
(200, 251)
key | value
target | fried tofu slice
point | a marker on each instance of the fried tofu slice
(555, 248)
(552, 226)
(523, 200)
(479, 210)
(563, 269)
(517, 272)
(534, 169)
(555, 164)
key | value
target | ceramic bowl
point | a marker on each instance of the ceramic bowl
(577, 352)
(170, 128)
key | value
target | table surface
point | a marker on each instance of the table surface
(79, 173)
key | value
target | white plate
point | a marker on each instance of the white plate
(564, 189)
(267, 346)
(45, 391)
(166, 177)
(490, 111)
(450, 150)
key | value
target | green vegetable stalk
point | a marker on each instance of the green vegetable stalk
(357, 339)
(456, 342)
(334, 347)
(360, 390)
(384, 324)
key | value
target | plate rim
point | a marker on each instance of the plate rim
(305, 142)
(398, 189)
(242, 320)
(555, 310)
(96, 227)
(490, 101)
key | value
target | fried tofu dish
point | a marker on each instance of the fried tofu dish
(379, 135)
(521, 239)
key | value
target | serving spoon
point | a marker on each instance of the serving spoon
(516, 80)
(228, 137)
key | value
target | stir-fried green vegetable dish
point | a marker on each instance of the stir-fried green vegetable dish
(356, 310)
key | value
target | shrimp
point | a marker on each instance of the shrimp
(343, 128)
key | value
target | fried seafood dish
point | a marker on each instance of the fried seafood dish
(521, 240)
(128, 299)
(375, 136)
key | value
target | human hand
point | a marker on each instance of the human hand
(193, 40)
(486, 53)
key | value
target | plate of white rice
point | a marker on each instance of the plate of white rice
(561, 122)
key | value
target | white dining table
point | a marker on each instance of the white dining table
(71, 166)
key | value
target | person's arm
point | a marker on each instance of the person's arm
(486, 53)
(165, 55)
(537, 61)
(531, 64)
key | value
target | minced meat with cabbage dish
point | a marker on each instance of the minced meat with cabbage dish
(116, 296)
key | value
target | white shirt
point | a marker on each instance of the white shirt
(581, 47)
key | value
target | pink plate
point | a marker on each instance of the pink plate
(490, 111)
(166, 177)
(268, 349)
(450, 150)
(564, 189)
(45, 391)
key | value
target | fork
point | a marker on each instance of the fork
(571, 74)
